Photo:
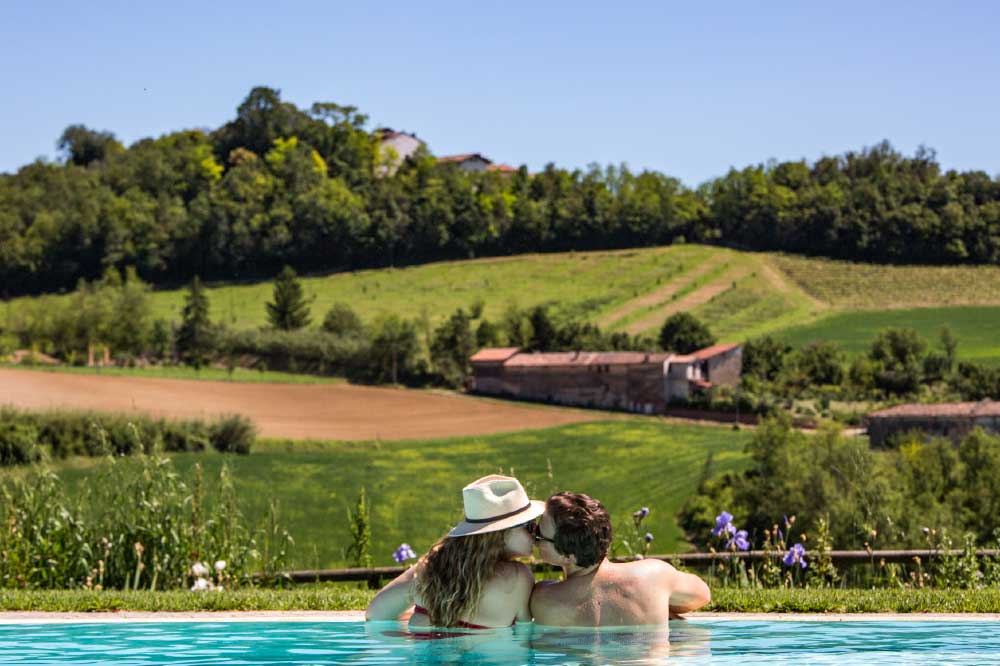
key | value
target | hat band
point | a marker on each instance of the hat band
(500, 517)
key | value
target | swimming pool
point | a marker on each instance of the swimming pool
(694, 642)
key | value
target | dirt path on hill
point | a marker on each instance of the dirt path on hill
(326, 411)
(777, 279)
(692, 300)
(663, 293)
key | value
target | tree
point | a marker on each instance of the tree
(394, 349)
(898, 357)
(82, 145)
(949, 343)
(194, 339)
(543, 337)
(821, 363)
(289, 311)
(683, 333)
(451, 348)
(341, 320)
(764, 357)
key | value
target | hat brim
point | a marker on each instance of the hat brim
(534, 510)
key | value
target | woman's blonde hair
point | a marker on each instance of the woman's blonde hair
(450, 578)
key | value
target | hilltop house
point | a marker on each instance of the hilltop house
(953, 420)
(399, 145)
(633, 381)
(475, 162)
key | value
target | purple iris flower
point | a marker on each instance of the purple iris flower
(724, 524)
(403, 553)
(795, 555)
(740, 541)
(649, 537)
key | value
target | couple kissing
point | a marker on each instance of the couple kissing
(471, 579)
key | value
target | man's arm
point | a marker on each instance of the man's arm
(688, 592)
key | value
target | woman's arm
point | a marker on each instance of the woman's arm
(525, 583)
(393, 600)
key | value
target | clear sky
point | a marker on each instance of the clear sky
(689, 89)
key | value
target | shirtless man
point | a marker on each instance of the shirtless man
(575, 533)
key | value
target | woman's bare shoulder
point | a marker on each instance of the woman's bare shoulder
(513, 572)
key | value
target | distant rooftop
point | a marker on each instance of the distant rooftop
(950, 409)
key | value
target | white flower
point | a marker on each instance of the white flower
(220, 565)
(198, 570)
(218, 588)
(200, 585)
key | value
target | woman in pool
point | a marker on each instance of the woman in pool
(468, 579)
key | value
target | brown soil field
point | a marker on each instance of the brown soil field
(325, 411)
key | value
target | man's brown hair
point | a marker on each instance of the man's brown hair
(583, 527)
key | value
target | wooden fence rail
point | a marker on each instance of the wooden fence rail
(694, 560)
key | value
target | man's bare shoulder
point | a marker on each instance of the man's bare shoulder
(650, 566)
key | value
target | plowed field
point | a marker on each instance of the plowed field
(337, 411)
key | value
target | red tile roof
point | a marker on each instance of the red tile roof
(714, 350)
(494, 354)
(502, 168)
(458, 159)
(950, 409)
(584, 359)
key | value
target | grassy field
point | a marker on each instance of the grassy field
(975, 327)
(346, 597)
(242, 375)
(739, 294)
(415, 487)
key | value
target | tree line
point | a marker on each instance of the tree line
(310, 188)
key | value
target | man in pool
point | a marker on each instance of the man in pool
(575, 533)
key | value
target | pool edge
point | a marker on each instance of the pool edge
(43, 617)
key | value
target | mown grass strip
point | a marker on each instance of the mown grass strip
(342, 597)
(855, 601)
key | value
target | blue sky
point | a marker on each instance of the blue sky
(688, 89)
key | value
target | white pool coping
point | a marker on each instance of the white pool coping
(39, 617)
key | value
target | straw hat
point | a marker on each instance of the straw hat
(495, 503)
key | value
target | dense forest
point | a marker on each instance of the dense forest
(279, 185)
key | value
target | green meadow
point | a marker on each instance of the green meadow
(738, 294)
(414, 487)
(976, 327)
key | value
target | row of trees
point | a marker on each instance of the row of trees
(279, 185)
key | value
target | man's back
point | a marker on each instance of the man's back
(633, 593)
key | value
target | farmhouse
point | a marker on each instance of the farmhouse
(952, 420)
(633, 381)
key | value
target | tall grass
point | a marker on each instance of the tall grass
(141, 526)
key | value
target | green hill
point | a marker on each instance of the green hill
(739, 294)
(415, 487)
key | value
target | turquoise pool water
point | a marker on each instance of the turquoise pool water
(695, 642)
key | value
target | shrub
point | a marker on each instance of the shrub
(68, 433)
(18, 444)
(232, 434)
